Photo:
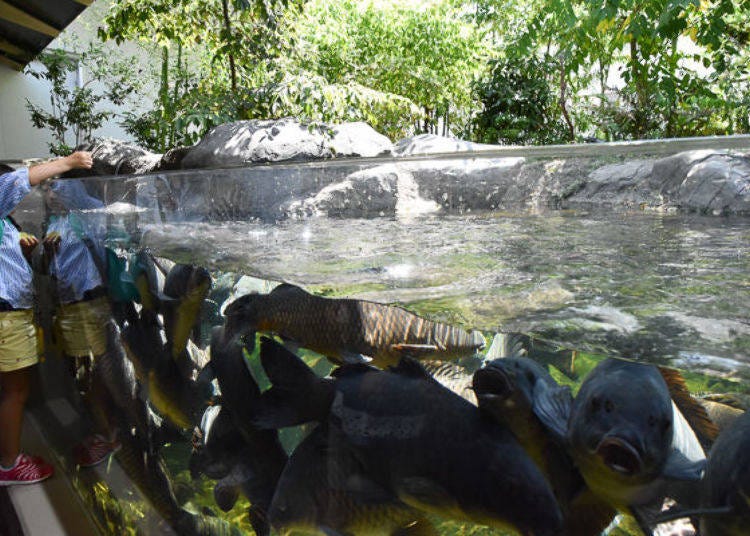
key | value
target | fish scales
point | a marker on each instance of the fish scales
(340, 328)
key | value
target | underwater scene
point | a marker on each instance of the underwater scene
(268, 369)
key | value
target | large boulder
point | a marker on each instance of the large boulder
(424, 144)
(711, 182)
(116, 157)
(247, 142)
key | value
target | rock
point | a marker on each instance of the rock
(367, 193)
(115, 157)
(422, 144)
(359, 139)
(172, 159)
(256, 141)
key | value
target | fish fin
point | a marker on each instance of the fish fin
(451, 375)
(290, 344)
(286, 288)
(353, 369)
(680, 467)
(678, 512)
(588, 513)
(259, 520)
(507, 345)
(419, 527)
(690, 407)
(283, 367)
(645, 515)
(225, 495)
(411, 368)
(415, 350)
(352, 358)
(297, 395)
(207, 374)
(552, 406)
(425, 494)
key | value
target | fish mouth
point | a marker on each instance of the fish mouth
(492, 381)
(620, 456)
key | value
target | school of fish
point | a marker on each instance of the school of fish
(417, 423)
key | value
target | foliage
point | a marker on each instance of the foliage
(425, 53)
(206, 47)
(75, 112)
(518, 106)
(559, 70)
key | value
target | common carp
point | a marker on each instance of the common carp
(724, 508)
(185, 288)
(631, 443)
(323, 488)
(421, 443)
(261, 452)
(509, 390)
(345, 330)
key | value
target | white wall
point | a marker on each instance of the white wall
(19, 139)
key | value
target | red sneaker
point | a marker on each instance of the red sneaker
(26, 470)
(94, 450)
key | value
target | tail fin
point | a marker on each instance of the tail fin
(297, 395)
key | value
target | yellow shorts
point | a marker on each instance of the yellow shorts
(81, 327)
(17, 340)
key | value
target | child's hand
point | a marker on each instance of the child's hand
(28, 243)
(52, 243)
(80, 160)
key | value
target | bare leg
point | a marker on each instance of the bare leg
(14, 390)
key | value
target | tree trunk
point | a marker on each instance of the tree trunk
(641, 106)
(563, 106)
(228, 28)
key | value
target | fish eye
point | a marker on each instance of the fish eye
(595, 404)
(609, 406)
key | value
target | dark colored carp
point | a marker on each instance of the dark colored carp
(426, 446)
(628, 438)
(345, 329)
(726, 483)
(509, 391)
(261, 452)
(169, 382)
(725, 490)
(185, 288)
(723, 409)
(324, 489)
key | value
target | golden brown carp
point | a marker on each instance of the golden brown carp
(347, 329)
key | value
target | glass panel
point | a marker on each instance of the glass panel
(382, 258)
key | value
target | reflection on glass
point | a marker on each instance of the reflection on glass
(253, 372)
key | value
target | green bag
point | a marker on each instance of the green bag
(119, 280)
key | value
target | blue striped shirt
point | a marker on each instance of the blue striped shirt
(15, 272)
(73, 265)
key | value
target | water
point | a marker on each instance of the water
(659, 287)
(662, 288)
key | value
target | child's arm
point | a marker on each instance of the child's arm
(47, 170)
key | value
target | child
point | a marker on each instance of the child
(17, 334)
(75, 247)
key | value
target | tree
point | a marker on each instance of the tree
(426, 52)
(197, 87)
(75, 113)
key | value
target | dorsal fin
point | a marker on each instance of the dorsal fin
(411, 368)
(351, 369)
(285, 288)
(733, 400)
(690, 407)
